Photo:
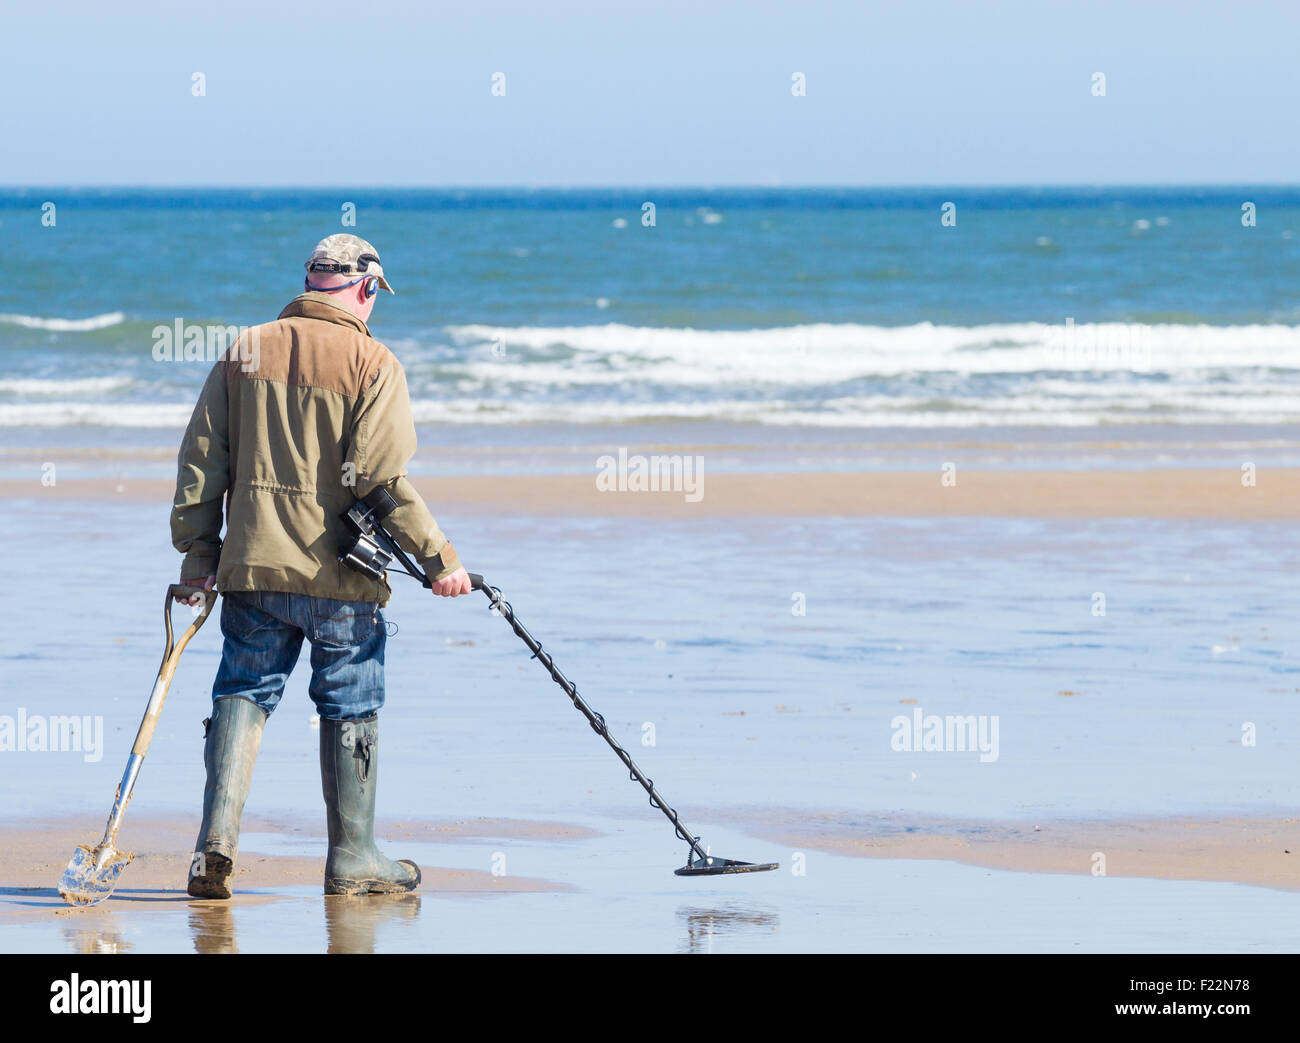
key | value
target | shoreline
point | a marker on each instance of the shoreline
(1255, 851)
(1184, 493)
(34, 852)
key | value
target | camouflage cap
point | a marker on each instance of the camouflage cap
(347, 255)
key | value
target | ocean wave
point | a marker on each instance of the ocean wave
(817, 375)
(75, 386)
(1193, 406)
(96, 414)
(36, 322)
(834, 353)
(874, 411)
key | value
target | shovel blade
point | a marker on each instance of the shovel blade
(717, 866)
(92, 874)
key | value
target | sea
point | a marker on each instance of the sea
(884, 309)
(1019, 320)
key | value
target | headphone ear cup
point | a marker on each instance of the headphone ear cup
(372, 286)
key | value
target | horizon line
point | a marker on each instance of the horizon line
(699, 187)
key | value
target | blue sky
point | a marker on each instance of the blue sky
(637, 94)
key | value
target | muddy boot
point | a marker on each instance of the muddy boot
(349, 762)
(234, 734)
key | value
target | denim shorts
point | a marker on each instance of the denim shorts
(264, 631)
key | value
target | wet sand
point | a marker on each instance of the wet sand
(33, 855)
(1262, 852)
(1121, 731)
(1184, 493)
(876, 878)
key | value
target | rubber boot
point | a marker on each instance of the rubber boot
(234, 735)
(349, 765)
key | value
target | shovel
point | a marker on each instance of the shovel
(93, 871)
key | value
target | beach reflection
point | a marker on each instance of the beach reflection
(213, 926)
(703, 925)
(351, 921)
(96, 941)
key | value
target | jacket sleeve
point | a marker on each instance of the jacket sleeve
(381, 446)
(202, 478)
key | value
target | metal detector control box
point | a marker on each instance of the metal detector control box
(373, 549)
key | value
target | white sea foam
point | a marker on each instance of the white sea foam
(95, 414)
(874, 411)
(831, 353)
(820, 375)
(36, 322)
(854, 411)
(82, 386)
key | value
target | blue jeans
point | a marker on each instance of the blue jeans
(264, 631)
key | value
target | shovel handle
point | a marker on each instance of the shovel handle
(185, 590)
(171, 656)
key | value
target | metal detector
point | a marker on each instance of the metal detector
(375, 549)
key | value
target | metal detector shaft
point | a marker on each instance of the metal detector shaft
(594, 718)
(375, 549)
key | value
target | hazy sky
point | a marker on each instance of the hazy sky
(635, 94)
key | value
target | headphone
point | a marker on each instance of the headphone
(370, 289)
(371, 282)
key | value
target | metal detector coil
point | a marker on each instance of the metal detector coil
(718, 866)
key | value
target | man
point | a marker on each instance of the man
(304, 416)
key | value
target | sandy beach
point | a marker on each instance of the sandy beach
(1122, 744)
(35, 854)
(1183, 493)
(152, 885)
(278, 905)
(1260, 852)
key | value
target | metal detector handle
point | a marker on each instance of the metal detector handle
(477, 582)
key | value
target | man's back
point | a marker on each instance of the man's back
(304, 416)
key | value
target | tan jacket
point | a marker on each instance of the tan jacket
(299, 420)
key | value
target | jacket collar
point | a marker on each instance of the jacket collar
(316, 305)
